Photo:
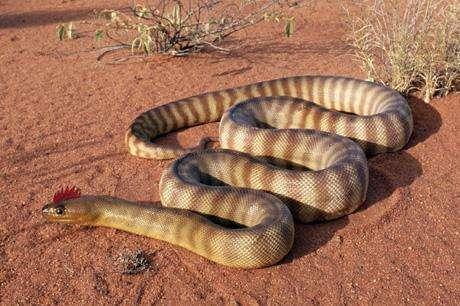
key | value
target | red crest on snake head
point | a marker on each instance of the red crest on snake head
(66, 194)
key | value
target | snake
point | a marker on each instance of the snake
(293, 148)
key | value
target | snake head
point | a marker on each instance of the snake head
(68, 206)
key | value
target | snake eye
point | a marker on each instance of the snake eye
(59, 210)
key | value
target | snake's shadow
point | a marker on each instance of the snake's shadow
(390, 171)
(427, 120)
(387, 173)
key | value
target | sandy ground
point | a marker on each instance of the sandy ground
(62, 120)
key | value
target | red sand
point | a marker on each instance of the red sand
(62, 120)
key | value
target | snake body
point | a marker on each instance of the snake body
(282, 158)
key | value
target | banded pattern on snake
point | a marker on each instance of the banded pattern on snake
(282, 157)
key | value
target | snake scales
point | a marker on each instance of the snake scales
(281, 157)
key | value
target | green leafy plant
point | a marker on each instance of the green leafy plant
(181, 27)
(144, 40)
(98, 35)
(412, 46)
(289, 27)
(66, 31)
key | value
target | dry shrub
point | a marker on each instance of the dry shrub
(411, 45)
(180, 27)
(133, 262)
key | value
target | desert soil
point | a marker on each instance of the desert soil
(63, 116)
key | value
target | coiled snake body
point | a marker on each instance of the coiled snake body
(282, 157)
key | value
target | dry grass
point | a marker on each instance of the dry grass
(133, 262)
(411, 45)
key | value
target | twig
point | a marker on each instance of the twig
(109, 49)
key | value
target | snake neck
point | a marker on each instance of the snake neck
(145, 219)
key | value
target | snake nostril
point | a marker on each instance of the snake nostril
(45, 210)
